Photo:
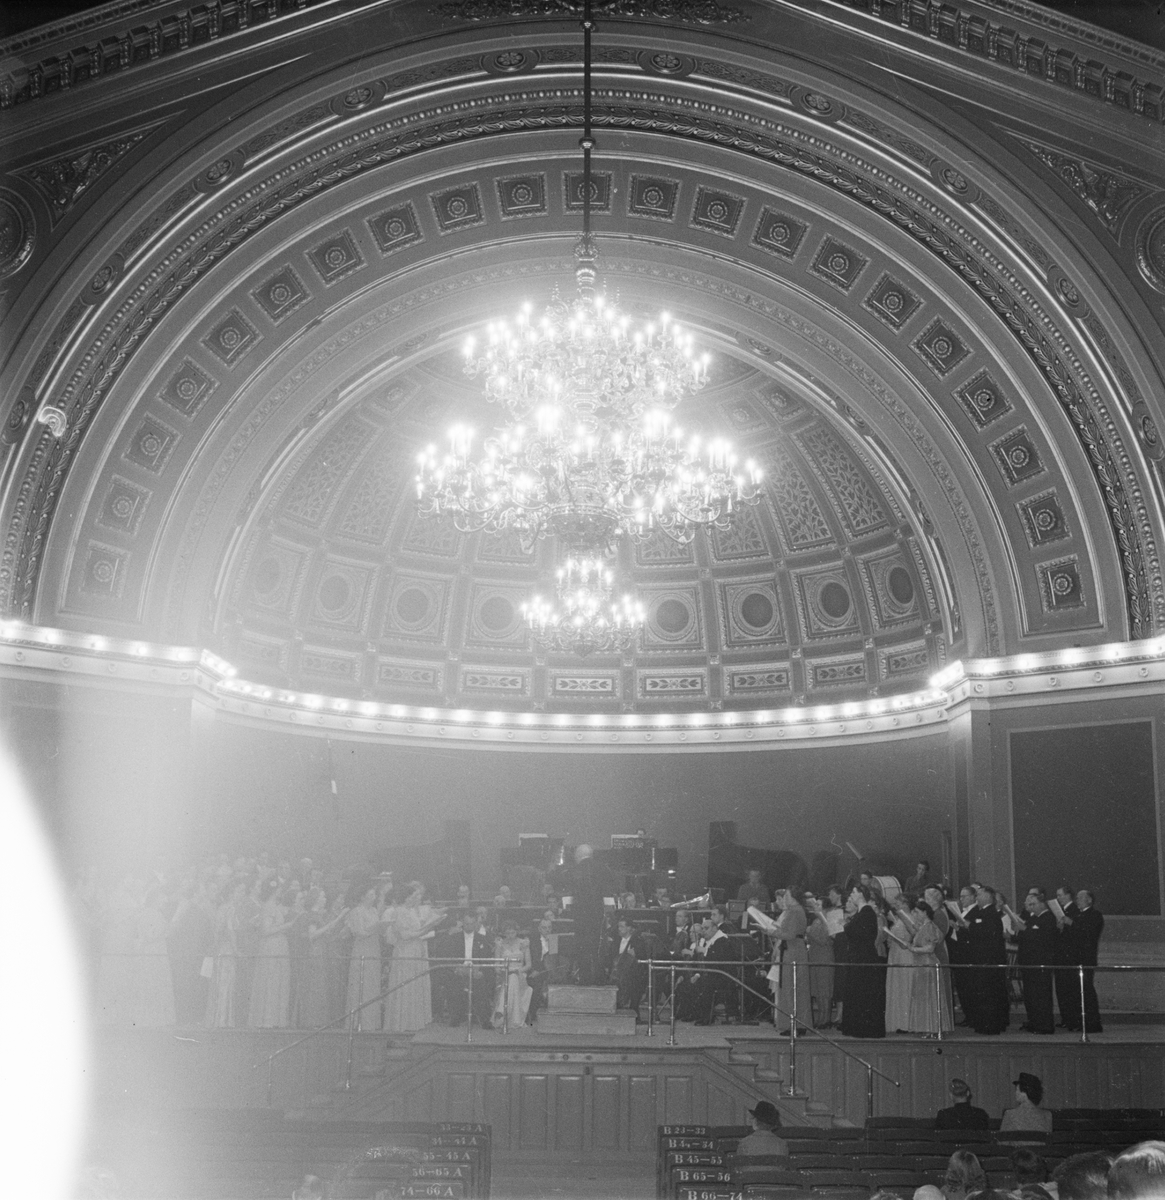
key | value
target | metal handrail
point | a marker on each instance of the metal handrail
(703, 968)
(431, 965)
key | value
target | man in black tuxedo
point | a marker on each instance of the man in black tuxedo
(587, 884)
(987, 950)
(719, 951)
(1089, 927)
(543, 950)
(1037, 949)
(468, 945)
(626, 951)
(1067, 980)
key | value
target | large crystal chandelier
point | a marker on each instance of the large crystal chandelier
(591, 455)
(586, 616)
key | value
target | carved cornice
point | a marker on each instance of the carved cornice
(1124, 670)
(107, 43)
(766, 141)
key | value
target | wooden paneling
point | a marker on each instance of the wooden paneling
(569, 1112)
(497, 1095)
(543, 1102)
(533, 1112)
(678, 1108)
(1074, 1075)
(607, 1124)
(642, 1116)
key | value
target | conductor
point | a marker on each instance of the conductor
(587, 910)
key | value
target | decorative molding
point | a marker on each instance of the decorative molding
(1083, 674)
(63, 181)
(1108, 193)
(936, 237)
(698, 12)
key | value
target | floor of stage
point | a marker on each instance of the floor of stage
(1123, 1029)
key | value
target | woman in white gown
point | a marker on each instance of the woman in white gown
(789, 947)
(220, 998)
(408, 1005)
(271, 986)
(364, 923)
(900, 960)
(513, 995)
(930, 1005)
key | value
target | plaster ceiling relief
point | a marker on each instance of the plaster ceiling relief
(233, 421)
(820, 589)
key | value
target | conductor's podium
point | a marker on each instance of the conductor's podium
(571, 1009)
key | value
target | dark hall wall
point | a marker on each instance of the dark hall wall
(891, 800)
(123, 779)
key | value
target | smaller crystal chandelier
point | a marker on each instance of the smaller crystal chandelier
(586, 618)
(589, 486)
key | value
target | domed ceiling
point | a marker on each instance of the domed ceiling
(822, 589)
(926, 250)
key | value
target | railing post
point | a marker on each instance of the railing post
(351, 1046)
(793, 1037)
(869, 1095)
(938, 996)
(469, 1003)
(671, 1037)
(1083, 1014)
(506, 995)
(270, 1082)
(650, 997)
(358, 1015)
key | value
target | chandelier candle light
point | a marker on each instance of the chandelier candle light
(591, 456)
(587, 618)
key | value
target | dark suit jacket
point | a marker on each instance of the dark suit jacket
(962, 1116)
(985, 941)
(1037, 940)
(452, 945)
(1089, 925)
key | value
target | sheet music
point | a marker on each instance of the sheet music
(765, 922)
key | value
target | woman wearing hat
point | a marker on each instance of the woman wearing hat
(1027, 1114)
(765, 1121)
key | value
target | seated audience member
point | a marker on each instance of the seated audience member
(1138, 1173)
(928, 1192)
(765, 1121)
(1027, 1114)
(964, 1175)
(1083, 1176)
(1030, 1172)
(962, 1114)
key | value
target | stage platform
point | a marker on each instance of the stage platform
(558, 1096)
(1138, 1030)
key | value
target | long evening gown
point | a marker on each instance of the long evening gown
(364, 966)
(409, 1007)
(271, 984)
(942, 922)
(789, 948)
(864, 1006)
(820, 968)
(513, 995)
(930, 1005)
(899, 978)
(314, 1008)
(220, 999)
